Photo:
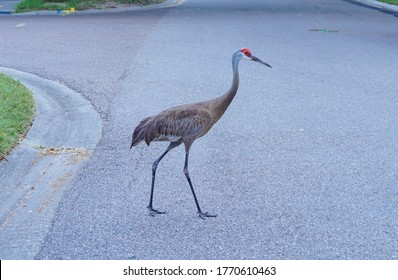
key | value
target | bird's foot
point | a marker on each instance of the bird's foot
(154, 212)
(205, 215)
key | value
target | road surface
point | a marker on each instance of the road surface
(303, 165)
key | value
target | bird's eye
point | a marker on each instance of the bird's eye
(247, 52)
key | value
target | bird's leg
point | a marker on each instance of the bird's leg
(186, 172)
(152, 211)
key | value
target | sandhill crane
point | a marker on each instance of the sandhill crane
(186, 123)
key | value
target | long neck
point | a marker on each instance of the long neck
(222, 102)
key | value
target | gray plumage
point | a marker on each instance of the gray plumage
(186, 123)
(175, 124)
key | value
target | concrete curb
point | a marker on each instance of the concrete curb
(376, 5)
(379, 4)
(61, 140)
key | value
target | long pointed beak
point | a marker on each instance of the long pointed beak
(260, 61)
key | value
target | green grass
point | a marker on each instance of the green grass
(53, 5)
(17, 109)
(394, 2)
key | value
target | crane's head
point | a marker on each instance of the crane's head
(246, 53)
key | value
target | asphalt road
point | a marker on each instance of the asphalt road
(303, 165)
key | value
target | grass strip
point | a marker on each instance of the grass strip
(17, 109)
(393, 2)
(54, 5)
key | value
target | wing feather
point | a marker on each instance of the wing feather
(175, 124)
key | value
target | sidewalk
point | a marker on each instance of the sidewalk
(8, 7)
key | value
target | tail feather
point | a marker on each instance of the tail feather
(141, 133)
